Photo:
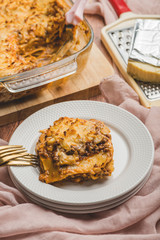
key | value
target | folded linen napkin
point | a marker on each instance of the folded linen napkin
(138, 218)
(104, 8)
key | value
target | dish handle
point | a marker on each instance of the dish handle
(55, 73)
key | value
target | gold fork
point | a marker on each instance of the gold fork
(16, 155)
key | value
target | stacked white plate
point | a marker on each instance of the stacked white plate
(133, 159)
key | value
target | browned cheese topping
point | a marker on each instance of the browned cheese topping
(31, 32)
(75, 149)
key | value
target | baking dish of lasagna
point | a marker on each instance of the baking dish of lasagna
(36, 47)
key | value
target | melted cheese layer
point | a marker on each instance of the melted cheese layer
(75, 149)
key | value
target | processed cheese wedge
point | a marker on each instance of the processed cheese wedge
(143, 71)
(144, 57)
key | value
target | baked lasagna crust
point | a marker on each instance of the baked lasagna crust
(32, 34)
(76, 150)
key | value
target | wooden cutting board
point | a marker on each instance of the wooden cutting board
(75, 87)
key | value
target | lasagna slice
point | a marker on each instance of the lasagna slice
(75, 150)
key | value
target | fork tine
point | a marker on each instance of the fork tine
(13, 156)
(10, 149)
(19, 163)
(31, 156)
(32, 161)
(10, 152)
(17, 155)
(10, 146)
(28, 157)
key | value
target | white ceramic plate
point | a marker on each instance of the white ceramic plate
(80, 209)
(133, 153)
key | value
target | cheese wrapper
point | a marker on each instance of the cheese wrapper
(145, 45)
(144, 57)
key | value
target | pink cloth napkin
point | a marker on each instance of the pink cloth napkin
(138, 218)
(105, 9)
(75, 14)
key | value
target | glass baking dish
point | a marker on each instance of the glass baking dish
(33, 79)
